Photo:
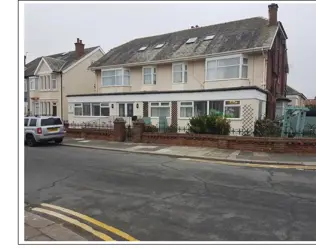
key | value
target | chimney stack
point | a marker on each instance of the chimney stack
(79, 48)
(273, 14)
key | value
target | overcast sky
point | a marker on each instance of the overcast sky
(53, 28)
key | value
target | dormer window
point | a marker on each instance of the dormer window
(142, 48)
(158, 46)
(191, 40)
(207, 38)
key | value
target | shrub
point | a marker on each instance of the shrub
(266, 128)
(150, 128)
(172, 129)
(209, 124)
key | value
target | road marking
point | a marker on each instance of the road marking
(74, 222)
(84, 141)
(78, 139)
(254, 165)
(93, 221)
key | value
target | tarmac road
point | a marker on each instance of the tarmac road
(158, 198)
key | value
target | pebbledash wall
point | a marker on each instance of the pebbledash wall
(252, 102)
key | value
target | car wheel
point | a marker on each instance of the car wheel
(58, 141)
(30, 141)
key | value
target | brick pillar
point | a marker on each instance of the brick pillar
(119, 130)
(174, 114)
(145, 109)
(137, 130)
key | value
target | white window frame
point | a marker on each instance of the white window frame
(123, 70)
(53, 80)
(185, 104)
(233, 105)
(240, 56)
(32, 83)
(101, 105)
(159, 106)
(77, 105)
(153, 74)
(184, 72)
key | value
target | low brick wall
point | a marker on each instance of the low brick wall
(257, 144)
(90, 133)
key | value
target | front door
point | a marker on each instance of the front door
(126, 109)
(54, 109)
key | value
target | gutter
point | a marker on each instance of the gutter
(190, 58)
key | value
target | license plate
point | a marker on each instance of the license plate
(52, 129)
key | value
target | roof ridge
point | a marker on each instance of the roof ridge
(216, 24)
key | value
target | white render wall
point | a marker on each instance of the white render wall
(246, 97)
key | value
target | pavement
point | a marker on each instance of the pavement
(127, 196)
(38, 228)
(202, 153)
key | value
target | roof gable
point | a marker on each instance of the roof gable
(231, 36)
(60, 60)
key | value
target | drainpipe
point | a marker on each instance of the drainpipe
(61, 93)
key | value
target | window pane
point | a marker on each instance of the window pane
(51, 122)
(105, 104)
(177, 68)
(164, 112)
(232, 112)
(147, 79)
(154, 78)
(200, 108)
(155, 112)
(54, 85)
(177, 77)
(32, 123)
(244, 71)
(216, 106)
(186, 111)
(154, 104)
(36, 83)
(130, 110)
(108, 73)
(108, 81)
(86, 109)
(229, 61)
(245, 60)
(185, 76)
(105, 111)
(211, 64)
(186, 103)
(126, 80)
(164, 104)
(122, 110)
(96, 109)
(211, 74)
(78, 111)
(228, 72)
(147, 71)
(26, 122)
(118, 80)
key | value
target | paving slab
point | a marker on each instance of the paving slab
(60, 233)
(36, 221)
(30, 232)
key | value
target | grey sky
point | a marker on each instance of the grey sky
(53, 28)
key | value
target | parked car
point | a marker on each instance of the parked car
(39, 129)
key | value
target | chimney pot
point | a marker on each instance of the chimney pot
(196, 26)
(77, 40)
(273, 14)
(192, 27)
(80, 41)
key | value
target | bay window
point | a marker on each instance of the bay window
(115, 77)
(158, 109)
(179, 73)
(149, 75)
(33, 83)
(232, 67)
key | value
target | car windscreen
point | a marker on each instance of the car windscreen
(51, 122)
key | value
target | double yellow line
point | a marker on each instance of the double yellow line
(82, 225)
